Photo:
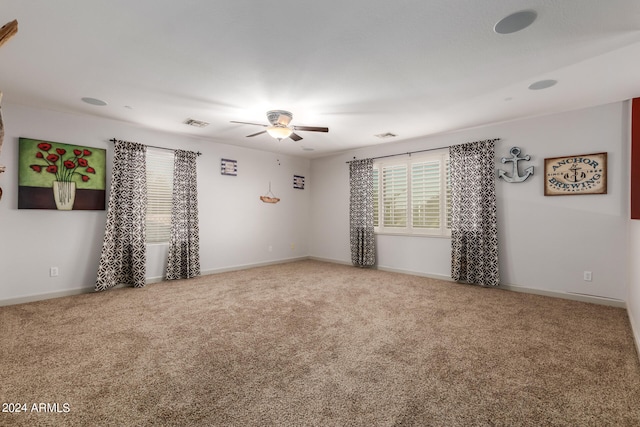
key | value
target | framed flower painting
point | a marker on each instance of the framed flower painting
(53, 175)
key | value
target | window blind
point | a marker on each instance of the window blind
(159, 194)
(376, 206)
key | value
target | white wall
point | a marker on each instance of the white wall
(236, 228)
(546, 242)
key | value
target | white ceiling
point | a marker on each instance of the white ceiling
(359, 67)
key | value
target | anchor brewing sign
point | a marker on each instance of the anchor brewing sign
(583, 174)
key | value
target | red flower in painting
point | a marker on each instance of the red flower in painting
(62, 163)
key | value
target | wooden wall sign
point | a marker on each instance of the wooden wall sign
(229, 167)
(298, 182)
(572, 175)
(7, 31)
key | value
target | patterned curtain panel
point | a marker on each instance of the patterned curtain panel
(474, 228)
(184, 248)
(123, 258)
(361, 213)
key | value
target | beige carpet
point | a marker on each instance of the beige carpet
(317, 344)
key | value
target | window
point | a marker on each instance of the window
(159, 194)
(413, 196)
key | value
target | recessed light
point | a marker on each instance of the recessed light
(94, 101)
(515, 22)
(386, 135)
(542, 84)
(196, 123)
(307, 149)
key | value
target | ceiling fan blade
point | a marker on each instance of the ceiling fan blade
(295, 137)
(258, 133)
(311, 128)
(248, 123)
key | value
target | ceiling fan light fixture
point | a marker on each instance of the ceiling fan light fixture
(279, 132)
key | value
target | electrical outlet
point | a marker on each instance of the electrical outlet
(270, 248)
(587, 276)
(53, 272)
(293, 246)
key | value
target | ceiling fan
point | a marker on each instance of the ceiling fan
(279, 127)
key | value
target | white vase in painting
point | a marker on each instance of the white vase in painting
(64, 193)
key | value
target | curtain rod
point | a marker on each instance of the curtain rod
(152, 146)
(408, 153)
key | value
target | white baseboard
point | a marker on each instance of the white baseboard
(331, 260)
(635, 332)
(45, 296)
(415, 273)
(555, 294)
(235, 268)
(389, 269)
(515, 288)
(567, 295)
(148, 280)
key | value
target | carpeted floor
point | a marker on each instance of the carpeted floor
(317, 344)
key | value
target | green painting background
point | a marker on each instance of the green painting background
(30, 178)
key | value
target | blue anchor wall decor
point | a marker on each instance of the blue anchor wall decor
(515, 175)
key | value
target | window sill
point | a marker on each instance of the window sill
(437, 236)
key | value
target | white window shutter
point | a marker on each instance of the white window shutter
(394, 194)
(413, 196)
(425, 194)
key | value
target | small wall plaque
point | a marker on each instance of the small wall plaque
(571, 175)
(229, 167)
(298, 182)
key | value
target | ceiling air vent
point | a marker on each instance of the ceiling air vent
(386, 135)
(196, 123)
